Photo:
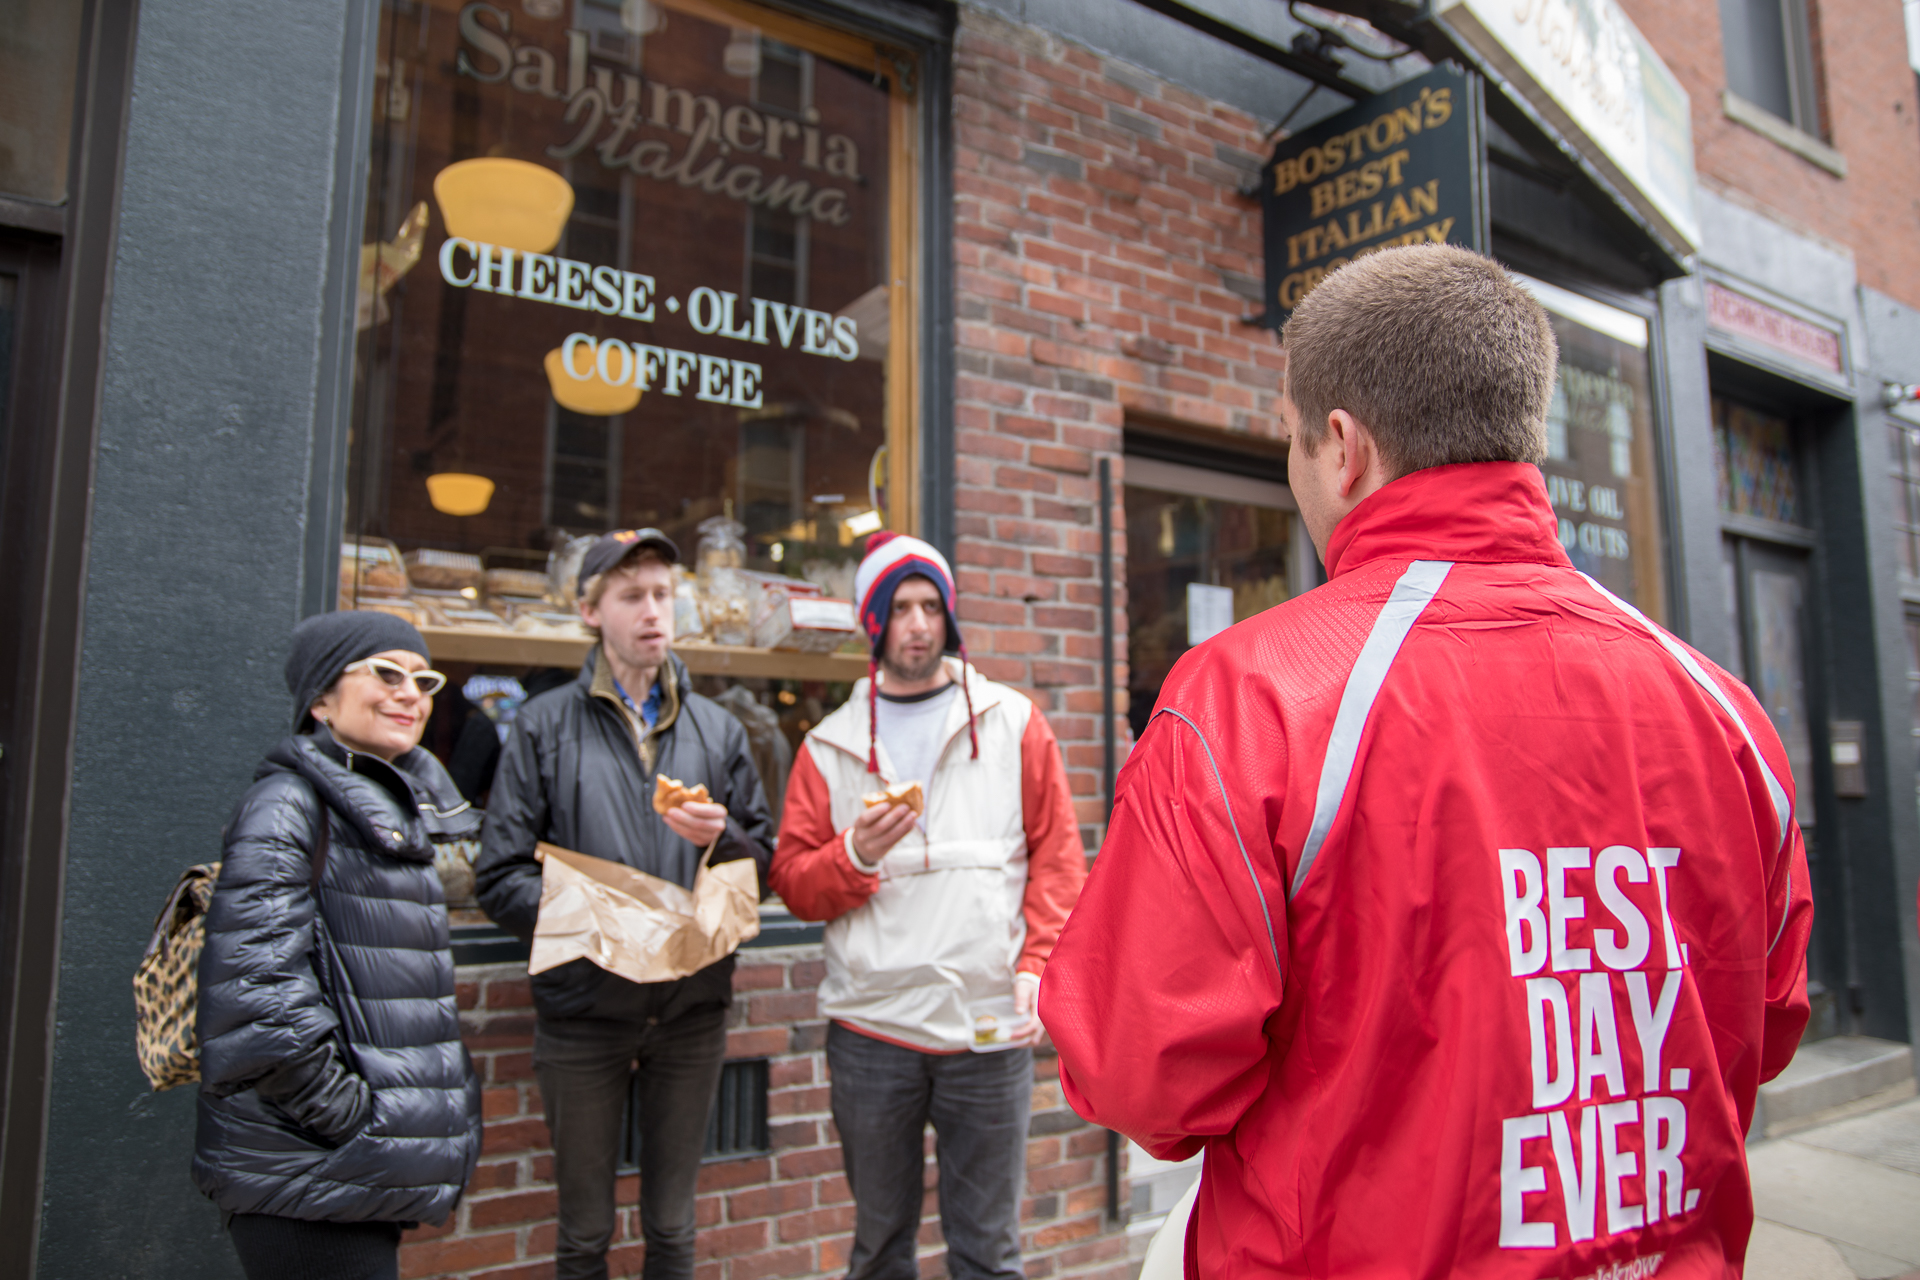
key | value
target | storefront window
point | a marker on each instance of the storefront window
(1754, 454)
(39, 54)
(1906, 496)
(1600, 455)
(1198, 562)
(1913, 694)
(626, 263)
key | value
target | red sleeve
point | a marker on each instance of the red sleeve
(1789, 890)
(1787, 1005)
(1056, 860)
(812, 872)
(1163, 980)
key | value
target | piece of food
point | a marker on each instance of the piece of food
(521, 584)
(671, 793)
(438, 570)
(906, 793)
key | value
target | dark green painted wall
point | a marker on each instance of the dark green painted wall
(222, 353)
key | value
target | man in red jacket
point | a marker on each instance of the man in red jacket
(1454, 909)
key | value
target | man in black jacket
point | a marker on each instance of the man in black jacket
(578, 771)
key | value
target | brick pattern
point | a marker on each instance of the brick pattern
(1104, 260)
(785, 1214)
(1871, 111)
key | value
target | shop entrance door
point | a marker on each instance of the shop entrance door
(1768, 592)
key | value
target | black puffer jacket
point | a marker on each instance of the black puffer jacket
(334, 1085)
(577, 772)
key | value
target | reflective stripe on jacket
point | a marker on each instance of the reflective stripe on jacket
(1454, 910)
(953, 910)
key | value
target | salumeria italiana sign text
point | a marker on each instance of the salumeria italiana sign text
(617, 119)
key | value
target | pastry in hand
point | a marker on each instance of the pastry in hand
(671, 793)
(906, 793)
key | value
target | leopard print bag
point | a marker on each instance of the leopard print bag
(166, 986)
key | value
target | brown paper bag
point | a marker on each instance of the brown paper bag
(639, 926)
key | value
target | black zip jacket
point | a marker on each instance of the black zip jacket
(334, 1085)
(578, 771)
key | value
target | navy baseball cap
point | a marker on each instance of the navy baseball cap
(611, 548)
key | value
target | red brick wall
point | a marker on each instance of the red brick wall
(785, 1214)
(1097, 227)
(1872, 114)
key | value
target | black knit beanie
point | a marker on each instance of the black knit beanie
(326, 643)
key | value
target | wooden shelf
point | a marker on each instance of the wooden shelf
(513, 649)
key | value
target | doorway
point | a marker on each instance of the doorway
(1767, 547)
(1205, 549)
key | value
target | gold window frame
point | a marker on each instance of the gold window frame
(904, 221)
(902, 367)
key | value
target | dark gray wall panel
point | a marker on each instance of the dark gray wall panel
(1893, 347)
(215, 344)
(1698, 589)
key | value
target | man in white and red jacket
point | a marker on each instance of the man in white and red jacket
(939, 926)
(1453, 908)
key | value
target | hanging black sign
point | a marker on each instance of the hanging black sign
(1402, 167)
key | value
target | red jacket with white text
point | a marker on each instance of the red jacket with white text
(1454, 909)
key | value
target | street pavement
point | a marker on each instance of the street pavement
(1839, 1200)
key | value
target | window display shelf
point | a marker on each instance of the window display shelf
(508, 648)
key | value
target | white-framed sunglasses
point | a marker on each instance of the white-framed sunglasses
(395, 676)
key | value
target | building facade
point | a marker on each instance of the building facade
(991, 272)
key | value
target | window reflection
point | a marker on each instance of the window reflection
(39, 54)
(1600, 468)
(738, 203)
(1179, 542)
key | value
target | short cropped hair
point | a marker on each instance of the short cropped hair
(1440, 353)
(596, 586)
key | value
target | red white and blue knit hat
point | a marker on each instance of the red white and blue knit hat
(891, 559)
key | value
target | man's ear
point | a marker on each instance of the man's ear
(1357, 449)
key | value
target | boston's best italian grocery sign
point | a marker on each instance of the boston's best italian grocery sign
(1401, 167)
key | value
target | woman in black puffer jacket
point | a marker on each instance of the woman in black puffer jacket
(337, 1103)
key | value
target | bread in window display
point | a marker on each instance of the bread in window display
(398, 608)
(519, 584)
(726, 594)
(538, 618)
(437, 570)
(728, 607)
(807, 624)
(454, 609)
(371, 567)
(563, 569)
(689, 623)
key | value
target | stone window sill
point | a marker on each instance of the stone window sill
(1772, 127)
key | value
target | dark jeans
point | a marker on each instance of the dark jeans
(273, 1248)
(584, 1065)
(883, 1097)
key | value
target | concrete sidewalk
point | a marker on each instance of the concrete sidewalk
(1840, 1199)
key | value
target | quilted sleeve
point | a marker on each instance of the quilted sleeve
(507, 874)
(260, 1004)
